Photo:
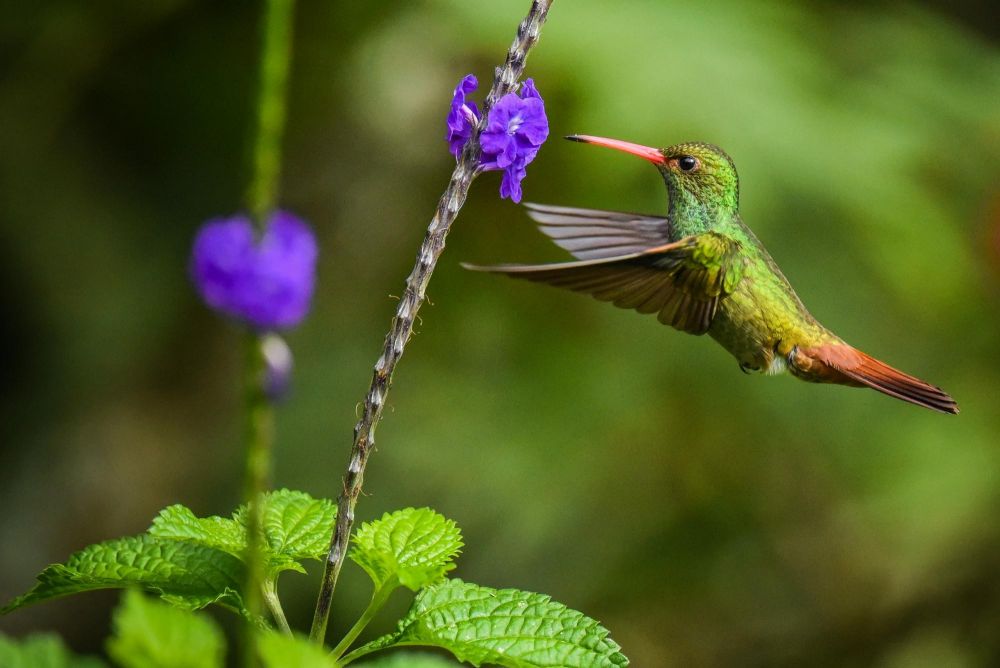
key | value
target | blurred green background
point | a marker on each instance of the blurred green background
(706, 517)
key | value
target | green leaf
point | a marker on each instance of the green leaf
(178, 523)
(281, 651)
(410, 660)
(506, 627)
(42, 650)
(150, 634)
(185, 574)
(414, 546)
(296, 527)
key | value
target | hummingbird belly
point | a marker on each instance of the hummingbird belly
(760, 327)
(740, 329)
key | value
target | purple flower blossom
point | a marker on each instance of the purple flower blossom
(267, 282)
(515, 130)
(463, 115)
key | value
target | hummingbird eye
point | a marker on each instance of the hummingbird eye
(688, 163)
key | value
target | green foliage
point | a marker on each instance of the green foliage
(177, 522)
(409, 660)
(281, 651)
(42, 650)
(184, 574)
(150, 634)
(411, 547)
(192, 562)
(506, 627)
(296, 527)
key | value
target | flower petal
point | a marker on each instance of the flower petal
(267, 283)
(462, 116)
(468, 84)
(528, 90)
(534, 124)
(510, 185)
(223, 249)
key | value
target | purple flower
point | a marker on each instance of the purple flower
(510, 184)
(267, 282)
(463, 116)
(515, 130)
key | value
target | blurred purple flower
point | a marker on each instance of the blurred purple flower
(267, 282)
(515, 130)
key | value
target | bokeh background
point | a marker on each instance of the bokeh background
(706, 517)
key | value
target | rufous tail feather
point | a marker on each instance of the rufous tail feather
(842, 364)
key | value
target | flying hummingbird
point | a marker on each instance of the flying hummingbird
(702, 271)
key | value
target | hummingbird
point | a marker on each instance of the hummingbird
(701, 270)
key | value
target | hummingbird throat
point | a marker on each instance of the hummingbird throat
(694, 210)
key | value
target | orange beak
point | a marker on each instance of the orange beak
(654, 155)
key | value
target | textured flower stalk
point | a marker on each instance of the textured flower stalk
(466, 169)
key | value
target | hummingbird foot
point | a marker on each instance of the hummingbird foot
(748, 368)
(799, 365)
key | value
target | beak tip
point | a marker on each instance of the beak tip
(653, 155)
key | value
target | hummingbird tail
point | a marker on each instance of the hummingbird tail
(842, 364)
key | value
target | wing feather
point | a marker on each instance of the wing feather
(591, 233)
(682, 282)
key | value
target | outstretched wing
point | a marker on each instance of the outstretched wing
(682, 282)
(590, 234)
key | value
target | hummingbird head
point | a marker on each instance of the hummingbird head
(696, 173)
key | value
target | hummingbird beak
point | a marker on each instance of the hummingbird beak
(654, 155)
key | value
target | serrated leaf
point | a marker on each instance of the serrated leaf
(410, 660)
(506, 627)
(296, 527)
(42, 650)
(281, 651)
(150, 634)
(187, 575)
(414, 546)
(177, 522)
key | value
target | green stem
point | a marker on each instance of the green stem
(274, 65)
(259, 442)
(276, 42)
(364, 650)
(274, 605)
(379, 597)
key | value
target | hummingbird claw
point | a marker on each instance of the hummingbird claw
(793, 354)
(746, 368)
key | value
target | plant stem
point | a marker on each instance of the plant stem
(274, 65)
(379, 597)
(259, 441)
(451, 202)
(269, 588)
(276, 42)
(362, 651)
